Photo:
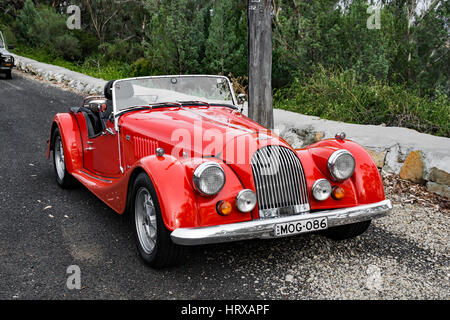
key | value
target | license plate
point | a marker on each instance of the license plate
(302, 226)
(7, 64)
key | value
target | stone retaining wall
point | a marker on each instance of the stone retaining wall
(85, 84)
(415, 156)
(415, 162)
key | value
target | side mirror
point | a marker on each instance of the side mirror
(241, 98)
(10, 47)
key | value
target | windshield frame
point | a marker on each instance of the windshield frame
(118, 112)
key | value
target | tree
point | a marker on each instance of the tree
(226, 45)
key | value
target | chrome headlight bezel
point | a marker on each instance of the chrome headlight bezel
(333, 161)
(319, 195)
(199, 173)
(246, 200)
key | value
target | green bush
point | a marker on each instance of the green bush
(9, 35)
(67, 47)
(44, 28)
(141, 67)
(88, 42)
(339, 96)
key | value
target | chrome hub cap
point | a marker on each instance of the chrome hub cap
(59, 159)
(145, 216)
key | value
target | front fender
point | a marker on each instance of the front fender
(71, 139)
(181, 206)
(365, 186)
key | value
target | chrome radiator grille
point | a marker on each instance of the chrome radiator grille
(280, 182)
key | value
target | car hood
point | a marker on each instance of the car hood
(200, 131)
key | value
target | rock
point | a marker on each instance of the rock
(59, 77)
(403, 153)
(290, 137)
(378, 157)
(80, 87)
(440, 176)
(391, 164)
(319, 136)
(412, 169)
(440, 189)
(289, 278)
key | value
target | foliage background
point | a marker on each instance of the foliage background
(326, 61)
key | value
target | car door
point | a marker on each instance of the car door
(101, 151)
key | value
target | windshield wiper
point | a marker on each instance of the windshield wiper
(136, 107)
(195, 102)
(209, 104)
(150, 106)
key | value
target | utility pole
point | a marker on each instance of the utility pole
(260, 101)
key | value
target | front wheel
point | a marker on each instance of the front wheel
(63, 177)
(8, 74)
(347, 231)
(152, 237)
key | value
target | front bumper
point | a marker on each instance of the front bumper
(265, 229)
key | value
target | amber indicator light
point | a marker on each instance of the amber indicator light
(224, 208)
(338, 193)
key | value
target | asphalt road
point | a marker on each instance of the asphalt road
(45, 229)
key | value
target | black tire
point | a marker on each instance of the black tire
(65, 180)
(165, 253)
(8, 75)
(347, 231)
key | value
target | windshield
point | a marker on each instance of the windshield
(153, 90)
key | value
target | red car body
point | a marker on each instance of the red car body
(108, 164)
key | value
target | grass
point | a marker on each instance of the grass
(339, 96)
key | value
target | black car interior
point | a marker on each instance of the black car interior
(97, 119)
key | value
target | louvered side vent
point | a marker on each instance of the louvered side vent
(144, 147)
(280, 182)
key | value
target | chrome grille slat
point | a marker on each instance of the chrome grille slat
(286, 195)
(276, 180)
(257, 176)
(294, 198)
(303, 181)
(288, 171)
(280, 182)
(299, 192)
(269, 176)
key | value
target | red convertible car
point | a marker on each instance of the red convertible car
(176, 153)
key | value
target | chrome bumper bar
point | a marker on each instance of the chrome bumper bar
(265, 229)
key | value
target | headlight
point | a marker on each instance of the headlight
(209, 178)
(341, 165)
(321, 189)
(246, 200)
